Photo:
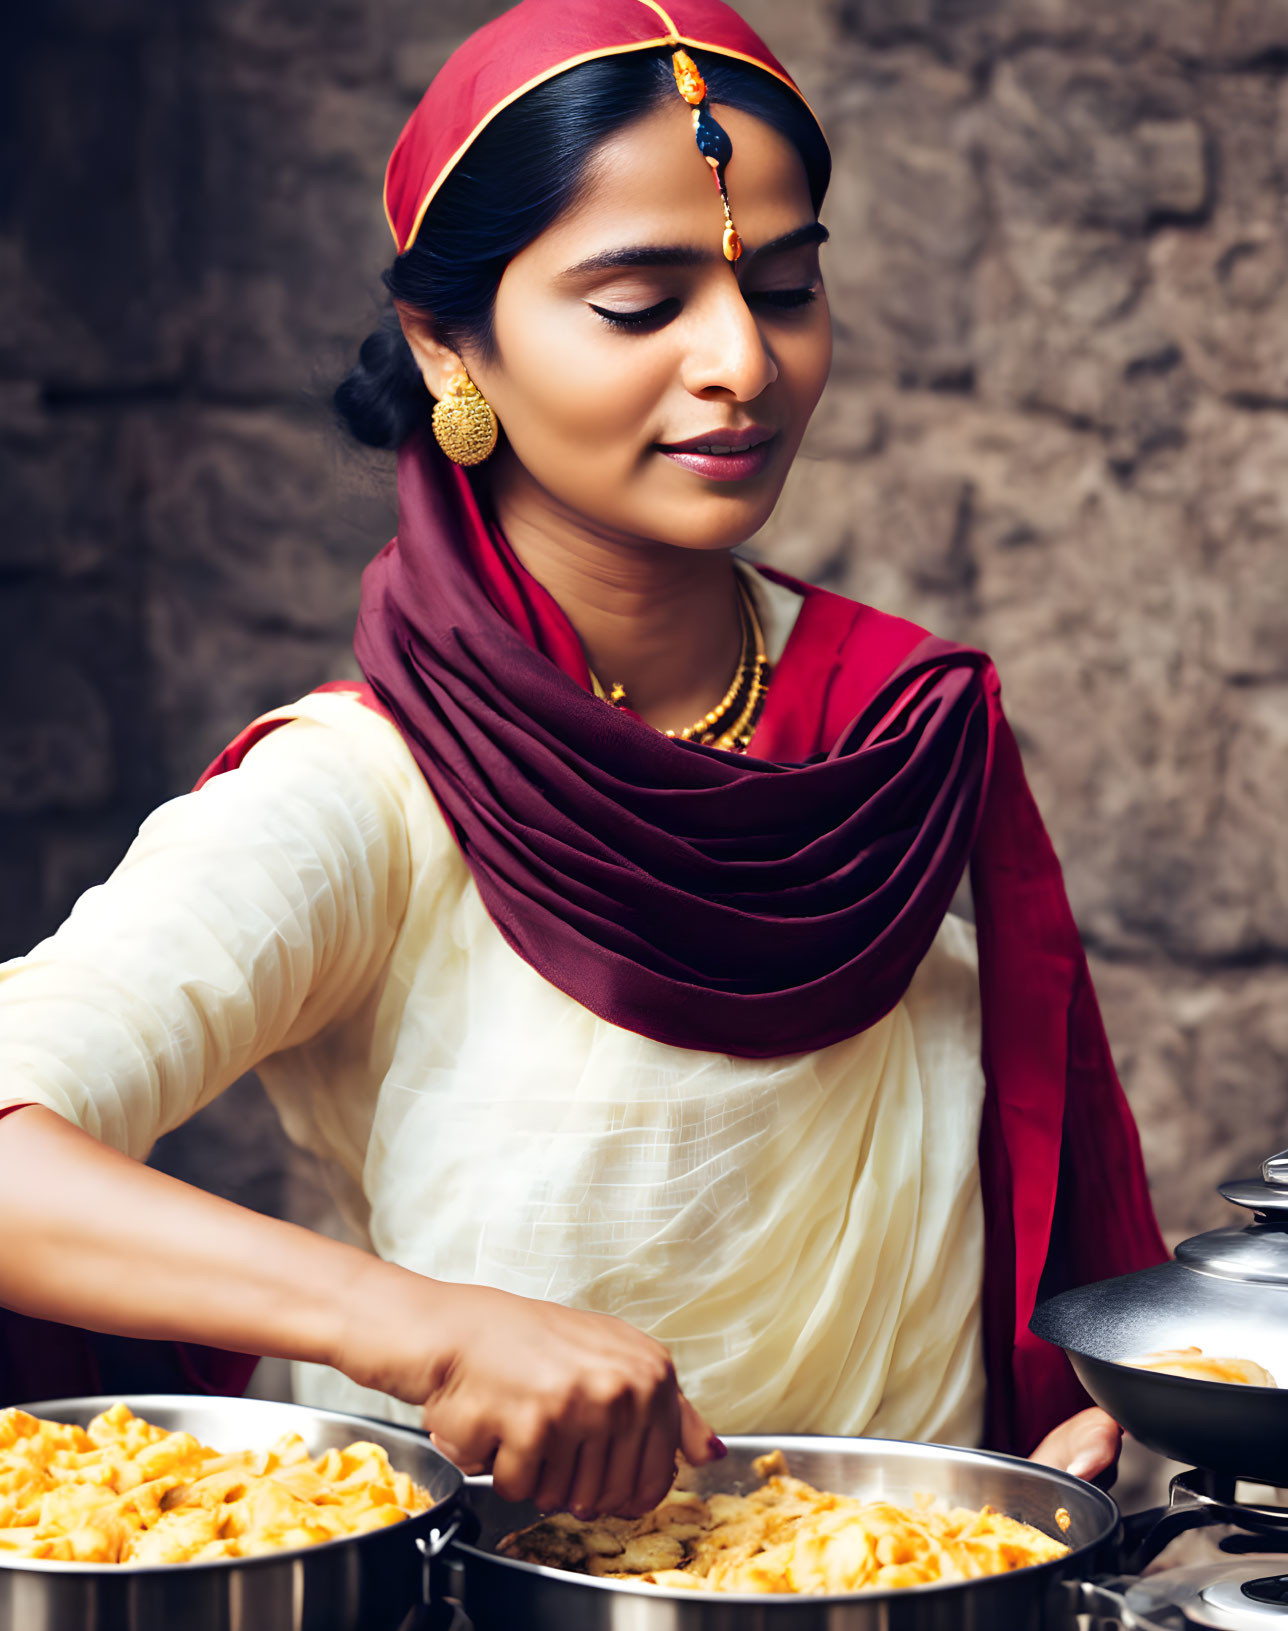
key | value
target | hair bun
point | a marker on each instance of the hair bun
(383, 399)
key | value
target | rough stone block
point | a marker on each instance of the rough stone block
(248, 518)
(94, 266)
(1241, 505)
(339, 39)
(979, 31)
(69, 489)
(258, 525)
(1251, 29)
(55, 732)
(1173, 156)
(293, 234)
(1224, 296)
(1065, 322)
(1079, 140)
(906, 212)
(1201, 1056)
(220, 674)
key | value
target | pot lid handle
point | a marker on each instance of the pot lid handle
(1274, 1170)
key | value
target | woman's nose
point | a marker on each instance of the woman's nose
(728, 355)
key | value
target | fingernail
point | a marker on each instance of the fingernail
(1082, 1466)
(719, 1449)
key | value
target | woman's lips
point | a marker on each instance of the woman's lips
(720, 461)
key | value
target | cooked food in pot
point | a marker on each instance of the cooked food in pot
(125, 1491)
(786, 1536)
(1203, 1367)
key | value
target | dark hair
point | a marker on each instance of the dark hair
(518, 177)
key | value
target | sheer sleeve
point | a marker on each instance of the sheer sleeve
(244, 919)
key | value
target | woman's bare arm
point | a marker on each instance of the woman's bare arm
(573, 1409)
(95, 1239)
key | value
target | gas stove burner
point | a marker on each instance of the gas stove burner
(1217, 1507)
(1213, 1557)
(1251, 1595)
(1234, 1500)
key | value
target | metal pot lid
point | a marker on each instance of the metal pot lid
(1268, 1194)
(1258, 1252)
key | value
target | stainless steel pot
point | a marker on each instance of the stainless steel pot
(367, 1583)
(1227, 1293)
(498, 1592)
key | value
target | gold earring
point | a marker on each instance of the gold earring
(464, 422)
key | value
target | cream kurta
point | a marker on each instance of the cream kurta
(804, 1233)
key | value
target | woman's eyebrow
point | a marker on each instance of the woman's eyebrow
(613, 260)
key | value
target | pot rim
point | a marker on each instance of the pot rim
(784, 1601)
(141, 1402)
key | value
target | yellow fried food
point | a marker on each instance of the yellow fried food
(786, 1536)
(123, 1490)
(1203, 1367)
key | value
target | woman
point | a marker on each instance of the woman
(601, 942)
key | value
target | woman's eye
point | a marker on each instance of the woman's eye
(647, 318)
(651, 317)
(784, 299)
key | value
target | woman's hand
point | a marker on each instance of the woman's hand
(569, 1409)
(1087, 1445)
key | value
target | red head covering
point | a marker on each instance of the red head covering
(525, 46)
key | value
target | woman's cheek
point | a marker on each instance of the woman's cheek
(810, 361)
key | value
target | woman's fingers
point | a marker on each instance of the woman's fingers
(516, 1467)
(697, 1441)
(472, 1462)
(458, 1459)
(554, 1482)
(588, 1478)
(1087, 1445)
(656, 1472)
(621, 1473)
(1097, 1445)
(568, 1407)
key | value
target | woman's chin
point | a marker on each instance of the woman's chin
(718, 520)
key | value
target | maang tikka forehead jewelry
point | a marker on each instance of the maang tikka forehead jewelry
(713, 139)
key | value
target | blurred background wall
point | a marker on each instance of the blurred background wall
(1058, 427)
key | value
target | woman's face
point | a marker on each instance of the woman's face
(622, 333)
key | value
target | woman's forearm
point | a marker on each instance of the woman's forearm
(92, 1238)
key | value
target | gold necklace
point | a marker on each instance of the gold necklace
(738, 737)
(744, 699)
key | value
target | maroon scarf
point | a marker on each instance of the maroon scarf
(705, 899)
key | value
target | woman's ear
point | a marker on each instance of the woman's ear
(437, 362)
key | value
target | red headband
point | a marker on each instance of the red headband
(525, 46)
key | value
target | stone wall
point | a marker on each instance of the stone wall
(1058, 427)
